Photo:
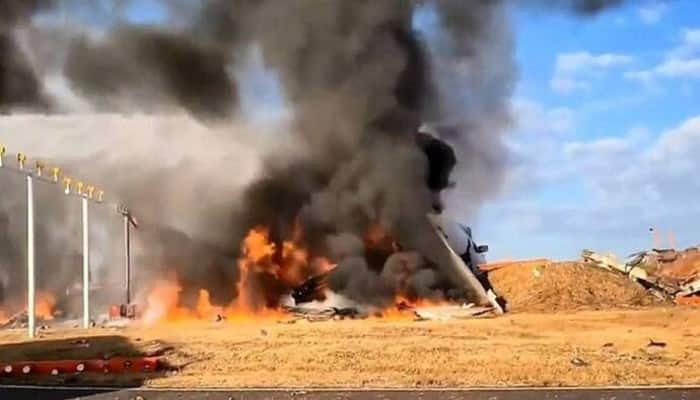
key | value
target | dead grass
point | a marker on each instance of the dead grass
(516, 349)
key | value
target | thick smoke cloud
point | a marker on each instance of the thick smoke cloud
(579, 7)
(148, 68)
(593, 6)
(161, 167)
(19, 85)
(358, 80)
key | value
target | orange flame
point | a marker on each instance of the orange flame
(162, 303)
(404, 306)
(375, 235)
(45, 306)
(287, 263)
(205, 310)
(324, 265)
(257, 246)
(258, 256)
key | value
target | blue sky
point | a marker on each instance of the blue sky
(605, 138)
(606, 129)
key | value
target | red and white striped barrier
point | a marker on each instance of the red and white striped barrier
(117, 365)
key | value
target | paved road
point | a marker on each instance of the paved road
(63, 393)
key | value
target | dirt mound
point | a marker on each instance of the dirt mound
(565, 286)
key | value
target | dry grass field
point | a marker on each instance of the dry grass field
(609, 347)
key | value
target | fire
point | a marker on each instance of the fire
(205, 310)
(289, 265)
(377, 238)
(163, 301)
(403, 307)
(257, 246)
(266, 269)
(45, 306)
(403, 302)
(325, 265)
(375, 235)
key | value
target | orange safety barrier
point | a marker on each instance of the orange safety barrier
(116, 365)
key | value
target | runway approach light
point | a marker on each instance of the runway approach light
(55, 173)
(90, 190)
(79, 188)
(66, 184)
(39, 166)
(2, 154)
(21, 158)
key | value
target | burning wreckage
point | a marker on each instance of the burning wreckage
(448, 245)
(348, 203)
(447, 248)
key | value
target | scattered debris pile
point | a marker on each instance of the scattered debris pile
(313, 314)
(441, 312)
(668, 273)
(558, 286)
(21, 319)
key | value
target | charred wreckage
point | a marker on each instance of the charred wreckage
(452, 247)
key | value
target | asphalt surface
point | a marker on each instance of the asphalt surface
(65, 393)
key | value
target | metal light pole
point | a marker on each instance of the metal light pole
(31, 282)
(86, 265)
(128, 222)
(127, 258)
(37, 173)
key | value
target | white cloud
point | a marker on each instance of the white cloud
(620, 21)
(602, 193)
(652, 12)
(688, 46)
(669, 68)
(679, 68)
(566, 85)
(583, 60)
(644, 76)
(682, 61)
(604, 146)
(572, 71)
(681, 142)
(692, 36)
(533, 118)
(605, 154)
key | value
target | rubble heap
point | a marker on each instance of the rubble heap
(561, 286)
(668, 273)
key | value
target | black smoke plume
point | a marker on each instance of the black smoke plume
(148, 68)
(19, 85)
(359, 81)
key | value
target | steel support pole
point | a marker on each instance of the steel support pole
(86, 266)
(127, 258)
(31, 296)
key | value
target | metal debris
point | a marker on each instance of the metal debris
(324, 314)
(654, 343)
(442, 313)
(578, 362)
(668, 273)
